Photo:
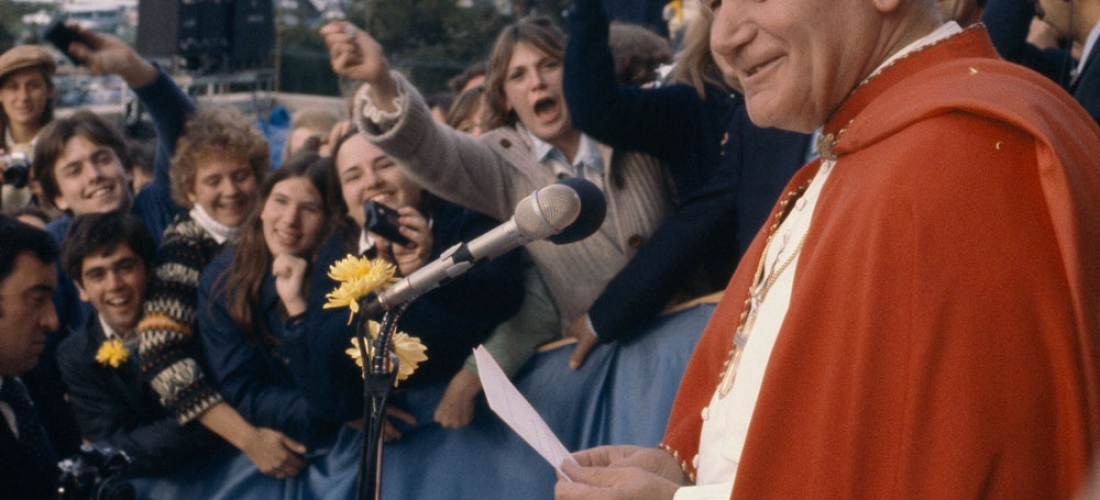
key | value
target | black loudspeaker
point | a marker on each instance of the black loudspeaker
(213, 32)
(252, 33)
(159, 23)
(195, 30)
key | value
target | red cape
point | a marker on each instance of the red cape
(942, 339)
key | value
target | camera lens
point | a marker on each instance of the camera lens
(116, 488)
(16, 175)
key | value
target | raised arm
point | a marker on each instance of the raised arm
(358, 56)
(168, 107)
(450, 164)
(623, 117)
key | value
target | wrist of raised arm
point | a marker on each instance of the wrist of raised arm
(377, 110)
(138, 72)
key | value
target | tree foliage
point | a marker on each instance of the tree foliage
(428, 40)
(431, 40)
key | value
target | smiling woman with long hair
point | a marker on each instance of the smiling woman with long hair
(252, 305)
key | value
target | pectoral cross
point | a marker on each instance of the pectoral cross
(740, 340)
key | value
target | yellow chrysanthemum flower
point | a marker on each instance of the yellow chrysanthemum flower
(343, 297)
(349, 268)
(112, 353)
(354, 353)
(358, 277)
(409, 352)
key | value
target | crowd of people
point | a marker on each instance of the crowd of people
(849, 252)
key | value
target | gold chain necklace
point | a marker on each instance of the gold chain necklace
(759, 289)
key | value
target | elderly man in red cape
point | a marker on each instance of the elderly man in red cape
(922, 319)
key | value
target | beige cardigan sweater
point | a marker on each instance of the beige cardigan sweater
(492, 173)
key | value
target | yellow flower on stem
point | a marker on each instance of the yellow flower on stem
(409, 351)
(358, 277)
(112, 353)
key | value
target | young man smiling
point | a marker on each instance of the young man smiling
(80, 161)
(110, 256)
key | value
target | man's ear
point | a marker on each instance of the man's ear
(80, 288)
(60, 203)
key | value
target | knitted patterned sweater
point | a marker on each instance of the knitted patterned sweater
(168, 349)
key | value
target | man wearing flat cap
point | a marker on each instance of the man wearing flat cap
(26, 106)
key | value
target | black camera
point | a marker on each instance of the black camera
(382, 220)
(61, 36)
(18, 169)
(95, 473)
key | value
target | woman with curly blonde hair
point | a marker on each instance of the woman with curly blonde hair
(216, 172)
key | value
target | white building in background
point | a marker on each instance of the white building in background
(101, 18)
(98, 15)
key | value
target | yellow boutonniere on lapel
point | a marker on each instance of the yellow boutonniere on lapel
(112, 353)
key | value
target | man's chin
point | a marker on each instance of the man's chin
(767, 117)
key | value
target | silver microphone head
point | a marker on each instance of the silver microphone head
(547, 211)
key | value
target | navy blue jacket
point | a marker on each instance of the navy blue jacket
(450, 320)
(728, 173)
(255, 378)
(169, 109)
(115, 405)
(22, 477)
(1008, 22)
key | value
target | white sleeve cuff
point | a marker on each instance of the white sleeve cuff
(370, 117)
(720, 491)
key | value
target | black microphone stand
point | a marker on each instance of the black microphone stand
(380, 371)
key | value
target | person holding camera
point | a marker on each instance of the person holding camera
(26, 106)
(28, 463)
(392, 217)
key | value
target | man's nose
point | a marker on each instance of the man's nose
(96, 170)
(49, 319)
(114, 279)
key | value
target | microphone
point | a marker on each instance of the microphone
(565, 212)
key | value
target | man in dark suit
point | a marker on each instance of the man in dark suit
(110, 257)
(1077, 21)
(28, 464)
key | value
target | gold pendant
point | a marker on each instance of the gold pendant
(731, 373)
(740, 339)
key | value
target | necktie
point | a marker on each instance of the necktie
(32, 437)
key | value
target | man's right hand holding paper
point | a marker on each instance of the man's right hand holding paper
(621, 472)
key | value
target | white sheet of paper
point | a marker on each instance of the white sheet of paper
(514, 409)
